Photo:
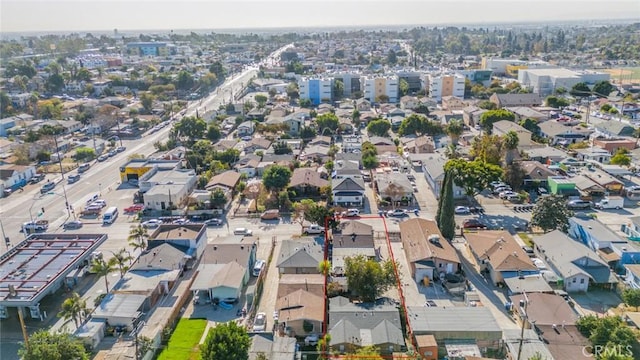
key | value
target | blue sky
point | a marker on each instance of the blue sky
(87, 15)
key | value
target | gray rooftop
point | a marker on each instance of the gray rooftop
(300, 253)
(452, 319)
(596, 229)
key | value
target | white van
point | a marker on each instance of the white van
(92, 198)
(110, 216)
(257, 268)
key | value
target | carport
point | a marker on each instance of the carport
(423, 271)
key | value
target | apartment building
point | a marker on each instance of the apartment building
(351, 81)
(315, 89)
(375, 86)
(439, 86)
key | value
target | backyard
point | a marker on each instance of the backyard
(184, 342)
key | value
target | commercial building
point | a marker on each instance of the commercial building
(316, 89)
(149, 48)
(501, 66)
(373, 87)
(545, 81)
(136, 168)
(442, 85)
(476, 76)
(39, 265)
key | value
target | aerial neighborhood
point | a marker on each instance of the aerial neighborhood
(433, 193)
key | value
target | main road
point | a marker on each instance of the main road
(102, 177)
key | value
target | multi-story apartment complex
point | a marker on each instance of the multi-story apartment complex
(315, 89)
(442, 85)
(151, 48)
(351, 81)
(373, 87)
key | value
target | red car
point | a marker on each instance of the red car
(473, 224)
(134, 208)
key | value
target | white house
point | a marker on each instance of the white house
(348, 192)
(13, 176)
(246, 128)
(163, 196)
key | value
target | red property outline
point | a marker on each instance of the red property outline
(324, 354)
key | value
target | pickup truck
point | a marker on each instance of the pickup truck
(314, 229)
(612, 202)
(39, 225)
(91, 211)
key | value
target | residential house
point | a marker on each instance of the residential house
(300, 256)
(561, 134)
(246, 128)
(554, 321)
(318, 153)
(249, 167)
(353, 326)
(321, 140)
(192, 237)
(613, 145)
(300, 313)
(257, 144)
(348, 192)
(609, 182)
(354, 238)
(587, 186)
(421, 145)
(615, 129)
(471, 115)
(500, 255)
(535, 174)
(593, 154)
(226, 181)
(152, 178)
(432, 165)
(453, 103)
(395, 187)
(363, 104)
(16, 176)
(546, 155)
(294, 122)
(515, 100)
(289, 283)
(428, 253)
(408, 102)
(502, 127)
(272, 346)
(166, 196)
(574, 262)
(523, 112)
(224, 145)
(307, 181)
(632, 276)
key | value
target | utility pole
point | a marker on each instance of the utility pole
(55, 140)
(523, 317)
(24, 328)
(4, 236)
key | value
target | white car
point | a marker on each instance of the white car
(153, 223)
(311, 340)
(397, 213)
(260, 322)
(462, 210)
(242, 231)
(507, 194)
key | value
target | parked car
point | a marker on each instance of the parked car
(47, 187)
(121, 149)
(257, 268)
(313, 230)
(100, 202)
(213, 222)
(260, 322)
(462, 210)
(397, 213)
(134, 208)
(102, 158)
(500, 189)
(579, 204)
(73, 224)
(351, 213)
(180, 221)
(37, 178)
(473, 224)
(507, 193)
(84, 167)
(153, 223)
(273, 214)
(73, 178)
(112, 153)
(242, 231)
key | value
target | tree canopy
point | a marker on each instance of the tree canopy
(417, 124)
(621, 157)
(276, 177)
(580, 90)
(369, 279)
(473, 176)
(603, 88)
(190, 127)
(226, 341)
(551, 213)
(446, 210)
(379, 127)
(631, 297)
(327, 121)
(609, 331)
(490, 117)
(556, 102)
(44, 345)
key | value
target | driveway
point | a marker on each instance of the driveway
(595, 301)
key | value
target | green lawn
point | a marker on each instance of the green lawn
(184, 340)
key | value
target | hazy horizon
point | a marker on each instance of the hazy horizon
(22, 16)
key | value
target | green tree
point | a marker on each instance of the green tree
(191, 127)
(121, 260)
(364, 353)
(146, 99)
(454, 129)
(327, 121)
(5, 104)
(184, 81)
(261, 100)
(102, 268)
(580, 90)
(514, 175)
(213, 132)
(379, 127)
(510, 141)
(446, 221)
(487, 105)
(621, 157)
(137, 237)
(338, 89)
(490, 117)
(392, 58)
(276, 177)
(300, 210)
(370, 162)
(84, 154)
(603, 88)
(369, 279)
(293, 91)
(487, 148)
(55, 83)
(74, 308)
(226, 341)
(551, 213)
(556, 102)
(324, 267)
(307, 132)
(631, 297)
(45, 345)
(472, 176)
(218, 198)
(403, 86)
(217, 69)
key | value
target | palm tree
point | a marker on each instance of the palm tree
(510, 142)
(454, 129)
(102, 268)
(137, 236)
(451, 151)
(324, 267)
(74, 308)
(120, 260)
